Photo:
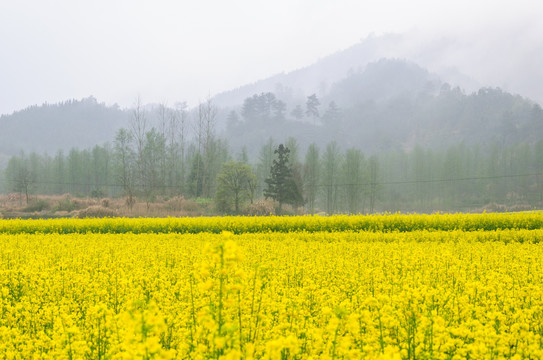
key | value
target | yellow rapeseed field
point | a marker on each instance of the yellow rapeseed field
(360, 287)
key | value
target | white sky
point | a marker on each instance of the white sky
(168, 51)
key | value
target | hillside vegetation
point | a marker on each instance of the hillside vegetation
(388, 137)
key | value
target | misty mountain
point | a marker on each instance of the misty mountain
(390, 105)
(403, 105)
(385, 105)
(467, 62)
(320, 77)
(49, 128)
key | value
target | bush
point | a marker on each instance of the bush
(261, 208)
(105, 202)
(176, 203)
(37, 206)
(96, 211)
(191, 206)
(97, 193)
(67, 204)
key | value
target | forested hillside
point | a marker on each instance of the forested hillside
(53, 127)
(390, 105)
(389, 137)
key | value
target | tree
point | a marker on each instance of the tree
(232, 120)
(312, 106)
(281, 184)
(235, 185)
(311, 176)
(59, 172)
(263, 108)
(331, 164)
(353, 179)
(100, 167)
(297, 112)
(332, 115)
(265, 162)
(19, 174)
(125, 161)
(163, 130)
(293, 148)
(138, 130)
(420, 168)
(153, 152)
(375, 187)
(206, 145)
(179, 128)
(279, 109)
(75, 171)
(210, 146)
(195, 179)
(296, 167)
(242, 156)
(538, 164)
(196, 176)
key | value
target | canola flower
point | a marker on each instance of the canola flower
(350, 294)
(242, 225)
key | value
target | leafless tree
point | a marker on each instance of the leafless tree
(138, 130)
(209, 122)
(162, 111)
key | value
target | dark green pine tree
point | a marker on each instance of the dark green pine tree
(281, 184)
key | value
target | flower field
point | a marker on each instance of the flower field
(360, 287)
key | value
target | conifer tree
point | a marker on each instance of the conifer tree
(281, 184)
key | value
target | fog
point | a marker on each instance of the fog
(169, 51)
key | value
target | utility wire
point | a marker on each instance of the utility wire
(399, 182)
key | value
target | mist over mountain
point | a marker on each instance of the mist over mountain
(371, 96)
(391, 105)
(392, 114)
(52, 127)
(507, 60)
(321, 76)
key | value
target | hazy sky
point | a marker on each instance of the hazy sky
(168, 51)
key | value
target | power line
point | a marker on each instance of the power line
(460, 179)
(399, 182)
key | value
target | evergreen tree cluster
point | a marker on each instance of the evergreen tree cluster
(281, 185)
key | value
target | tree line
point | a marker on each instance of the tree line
(325, 180)
(171, 151)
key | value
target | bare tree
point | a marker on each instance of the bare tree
(197, 166)
(162, 111)
(18, 173)
(125, 159)
(183, 135)
(138, 130)
(204, 129)
(210, 115)
(176, 139)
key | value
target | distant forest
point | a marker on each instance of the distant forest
(389, 138)
(459, 178)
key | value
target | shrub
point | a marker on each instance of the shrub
(191, 206)
(67, 204)
(96, 211)
(37, 206)
(175, 204)
(261, 208)
(105, 202)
